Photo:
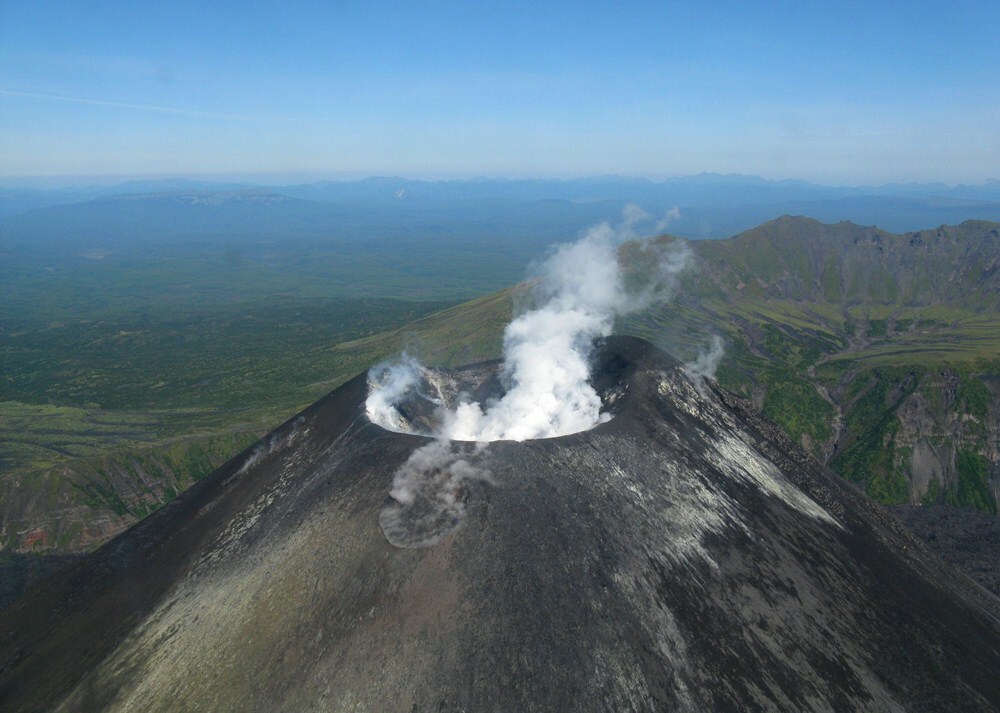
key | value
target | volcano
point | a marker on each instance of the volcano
(682, 555)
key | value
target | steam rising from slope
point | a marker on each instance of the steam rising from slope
(580, 290)
(428, 493)
(706, 363)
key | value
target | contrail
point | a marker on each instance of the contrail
(129, 105)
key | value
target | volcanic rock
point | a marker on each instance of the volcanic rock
(684, 555)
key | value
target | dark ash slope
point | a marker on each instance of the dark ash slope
(684, 556)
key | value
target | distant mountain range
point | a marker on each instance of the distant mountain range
(710, 205)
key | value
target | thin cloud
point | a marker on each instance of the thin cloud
(129, 105)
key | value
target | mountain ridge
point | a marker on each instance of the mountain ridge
(789, 241)
(711, 205)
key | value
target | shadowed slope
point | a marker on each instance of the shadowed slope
(684, 555)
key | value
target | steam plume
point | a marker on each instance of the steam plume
(671, 215)
(706, 363)
(428, 493)
(275, 442)
(579, 291)
(388, 383)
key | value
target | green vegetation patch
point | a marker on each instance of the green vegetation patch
(868, 456)
(972, 488)
(878, 328)
(975, 396)
(793, 403)
(888, 484)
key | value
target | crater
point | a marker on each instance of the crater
(430, 490)
(431, 394)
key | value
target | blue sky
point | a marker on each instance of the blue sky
(834, 92)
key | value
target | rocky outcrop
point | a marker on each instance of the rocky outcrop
(924, 437)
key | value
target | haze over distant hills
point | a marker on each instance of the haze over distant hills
(710, 205)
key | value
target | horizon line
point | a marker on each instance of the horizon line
(285, 178)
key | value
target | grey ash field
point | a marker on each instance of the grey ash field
(685, 555)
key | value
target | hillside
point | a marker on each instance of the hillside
(803, 260)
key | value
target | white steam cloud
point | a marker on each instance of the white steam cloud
(275, 442)
(671, 215)
(428, 493)
(388, 383)
(579, 291)
(706, 363)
